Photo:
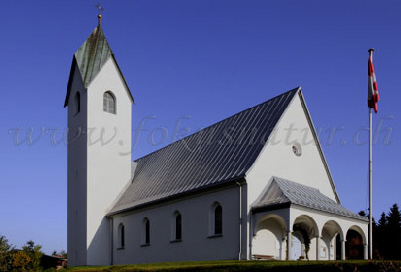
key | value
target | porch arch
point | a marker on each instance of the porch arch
(269, 238)
(355, 245)
(333, 237)
(305, 227)
(308, 224)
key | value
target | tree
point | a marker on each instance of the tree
(5, 256)
(383, 221)
(380, 238)
(362, 213)
(34, 252)
(394, 218)
(21, 261)
(394, 233)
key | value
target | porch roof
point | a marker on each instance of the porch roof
(282, 191)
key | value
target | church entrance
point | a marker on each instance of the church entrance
(296, 247)
(304, 229)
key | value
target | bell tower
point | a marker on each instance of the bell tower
(99, 148)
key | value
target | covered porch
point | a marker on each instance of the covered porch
(296, 222)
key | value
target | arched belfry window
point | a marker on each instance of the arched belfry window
(121, 236)
(77, 102)
(109, 102)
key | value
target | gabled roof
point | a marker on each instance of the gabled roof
(90, 58)
(282, 191)
(214, 156)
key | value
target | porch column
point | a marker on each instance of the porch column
(289, 245)
(342, 249)
(317, 248)
(365, 251)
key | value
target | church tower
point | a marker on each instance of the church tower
(99, 148)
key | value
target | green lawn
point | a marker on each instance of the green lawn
(234, 266)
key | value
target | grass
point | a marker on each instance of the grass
(239, 266)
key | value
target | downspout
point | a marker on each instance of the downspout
(250, 236)
(111, 241)
(240, 221)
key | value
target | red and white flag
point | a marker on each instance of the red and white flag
(373, 92)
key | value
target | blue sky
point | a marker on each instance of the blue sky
(190, 64)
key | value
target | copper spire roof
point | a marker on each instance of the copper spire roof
(91, 57)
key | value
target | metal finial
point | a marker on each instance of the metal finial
(371, 49)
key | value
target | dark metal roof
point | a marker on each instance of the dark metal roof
(213, 156)
(282, 191)
(90, 58)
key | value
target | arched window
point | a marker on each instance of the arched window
(215, 220)
(218, 219)
(146, 225)
(176, 227)
(77, 102)
(109, 102)
(121, 236)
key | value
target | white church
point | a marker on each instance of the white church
(241, 189)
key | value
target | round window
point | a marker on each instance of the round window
(296, 148)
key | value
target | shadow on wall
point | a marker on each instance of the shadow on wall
(99, 250)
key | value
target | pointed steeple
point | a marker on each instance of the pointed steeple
(91, 57)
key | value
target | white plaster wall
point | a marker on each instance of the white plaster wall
(196, 242)
(76, 175)
(278, 159)
(108, 158)
(265, 243)
(268, 239)
(255, 247)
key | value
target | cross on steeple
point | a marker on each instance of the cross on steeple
(100, 9)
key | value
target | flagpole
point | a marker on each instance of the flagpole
(373, 98)
(370, 187)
